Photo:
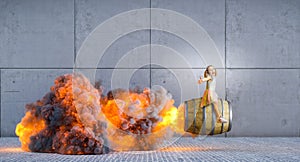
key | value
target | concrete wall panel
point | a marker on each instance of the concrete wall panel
(36, 34)
(91, 13)
(209, 15)
(263, 34)
(265, 102)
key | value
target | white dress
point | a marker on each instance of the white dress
(212, 88)
(210, 95)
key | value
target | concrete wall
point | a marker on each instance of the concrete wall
(258, 41)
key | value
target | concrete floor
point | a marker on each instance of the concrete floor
(185, 149)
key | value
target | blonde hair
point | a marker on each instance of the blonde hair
(206, 70)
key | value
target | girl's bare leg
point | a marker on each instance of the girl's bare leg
(218, 115)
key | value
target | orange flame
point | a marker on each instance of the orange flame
(29, 126)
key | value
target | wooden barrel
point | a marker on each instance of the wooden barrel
(203, 121)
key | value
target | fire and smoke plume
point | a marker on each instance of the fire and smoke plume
(139, 121)
(66, 120)
(73, 119)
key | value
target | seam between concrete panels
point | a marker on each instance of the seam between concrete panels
(74, 30)
(0, 101)
(225, 48)
(225, 51)
(296, 68)
(150, 39)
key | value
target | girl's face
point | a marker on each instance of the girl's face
(211, 70)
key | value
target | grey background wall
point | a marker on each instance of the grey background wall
(257, 39)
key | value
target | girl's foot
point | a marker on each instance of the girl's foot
(222, 120)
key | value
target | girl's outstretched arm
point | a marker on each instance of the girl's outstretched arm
(201, 80)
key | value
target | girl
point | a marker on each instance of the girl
(210, 96)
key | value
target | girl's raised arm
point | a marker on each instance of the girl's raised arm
(201, 80)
